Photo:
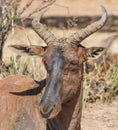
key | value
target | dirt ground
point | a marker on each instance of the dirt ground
(100, 116)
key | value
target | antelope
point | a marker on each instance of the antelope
(61, 101)
(64, 60)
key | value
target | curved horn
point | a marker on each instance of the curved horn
(42, 30)
(77, 37)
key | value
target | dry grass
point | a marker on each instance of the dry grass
(102, 86)
(24, 66)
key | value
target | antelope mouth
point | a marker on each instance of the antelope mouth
(50, 112)
(46, 114)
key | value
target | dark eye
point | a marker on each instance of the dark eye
(73, 68)
(66, 71)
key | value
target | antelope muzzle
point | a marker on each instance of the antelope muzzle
(50, 104)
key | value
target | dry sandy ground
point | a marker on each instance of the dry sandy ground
(99, 116)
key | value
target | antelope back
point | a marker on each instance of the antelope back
(20, 111)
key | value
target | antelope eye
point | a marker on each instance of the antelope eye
(66, 71)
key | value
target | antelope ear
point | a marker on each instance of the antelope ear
(32, 50)
(37, 50)
(95, 52)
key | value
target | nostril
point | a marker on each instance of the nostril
(46, 111)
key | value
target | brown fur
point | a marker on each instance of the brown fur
(19, 112)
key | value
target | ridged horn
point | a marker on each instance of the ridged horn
(42, 30)
(78, 36)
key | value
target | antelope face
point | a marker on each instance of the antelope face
(64, 72)
(55, 63)
(60, 70)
